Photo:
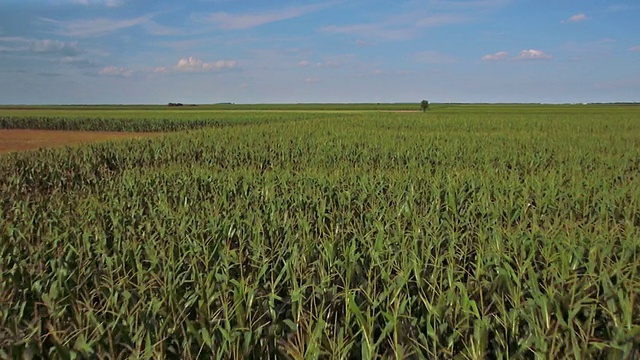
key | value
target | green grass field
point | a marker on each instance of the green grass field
(468, 232)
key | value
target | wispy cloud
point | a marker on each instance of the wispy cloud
(500, 55)
(375, 31)
(635, 48)
(154, 28)
(336, 61)
(360, 42)
(95, 27)
(79, 62)
(14, 44)
(530, 54)
(434, 57)
(623, 8)
(468, 4)
(328, 64)
(413, 22)
(180, 46)
(109, 3)
(115, 71)
(628, 83)
(192, 64)
(575, 18)
(40, 46)
(594, 48)
(55, 46)
(227, 21)
(533, 54)
(441, 20)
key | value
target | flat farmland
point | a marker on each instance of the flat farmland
(469, 231)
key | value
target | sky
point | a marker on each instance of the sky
(318, 51)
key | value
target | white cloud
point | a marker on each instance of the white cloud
(576, 18)
(533, 54)
(228, 21)
(311, 80)
(161, 70)
(115, 71)
(500, 55)
(634, 48)
(192, 64)
(303, 63)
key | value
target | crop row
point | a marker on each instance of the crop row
(140, 122)
(361, 236)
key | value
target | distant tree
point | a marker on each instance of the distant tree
(424, 105)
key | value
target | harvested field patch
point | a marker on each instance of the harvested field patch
(23, 140)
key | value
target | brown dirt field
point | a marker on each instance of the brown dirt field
(22, 140)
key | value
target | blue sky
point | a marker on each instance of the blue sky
(209, 51)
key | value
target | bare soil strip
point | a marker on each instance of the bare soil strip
(23, 140)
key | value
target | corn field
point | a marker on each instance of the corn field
(330, 236)
(135, 121)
